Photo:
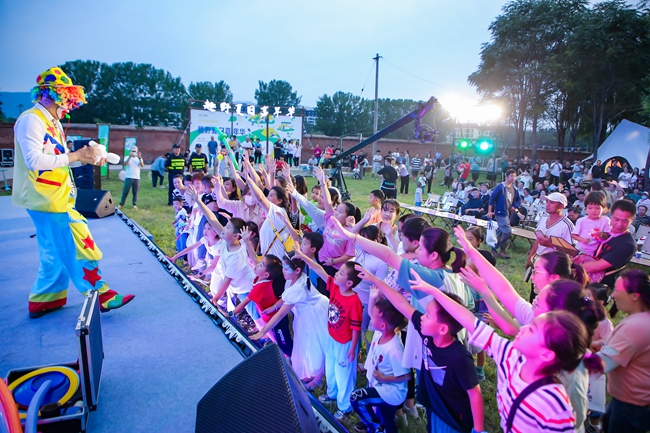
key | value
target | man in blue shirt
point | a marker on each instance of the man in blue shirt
(504, 199)
(212, 152)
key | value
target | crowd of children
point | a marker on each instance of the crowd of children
(397, 290)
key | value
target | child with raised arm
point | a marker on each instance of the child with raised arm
(233, 272)
(309, 309)
(529, 397)
(268, 282)
(448, 388)
(387, 378)
(345, 314)
(336, 248)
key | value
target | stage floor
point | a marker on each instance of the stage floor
(162, 353)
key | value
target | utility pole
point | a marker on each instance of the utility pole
(376, 116)
(20, 107)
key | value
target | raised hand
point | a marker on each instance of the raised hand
(245, 234)
(417, 283)
(365, 275)
(341, 229)
(462, 239)
(286, 171)
(374, 292)
(473, 280)
(191, 192)
(319, 173)
(386, 228)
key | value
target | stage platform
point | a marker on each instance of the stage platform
(162, 353)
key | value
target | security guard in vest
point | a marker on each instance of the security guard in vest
(198, 160)
(175, 165)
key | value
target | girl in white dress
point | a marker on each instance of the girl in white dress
(310, 333)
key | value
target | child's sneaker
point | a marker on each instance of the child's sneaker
(590, 428)
(341, 416)
(411, 411)
(480, 373)
(325, 399)
(361, 427)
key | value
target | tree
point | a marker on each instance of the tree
(276, 93)
(515, 64)
(391, 110)
(343, 113)
(205, 90)
(128, 93)
(142, 95)
(612, 49)
(86, 73)
(3, 118)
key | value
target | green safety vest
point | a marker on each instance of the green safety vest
(177, 163)
(197, 163)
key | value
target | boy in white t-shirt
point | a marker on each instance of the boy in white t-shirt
(387, 378)
(587, 227)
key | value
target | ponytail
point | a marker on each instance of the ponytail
(579, 274)
(593, 363)
(437, 240)
(459, 260)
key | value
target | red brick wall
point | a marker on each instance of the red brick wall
(153, 141)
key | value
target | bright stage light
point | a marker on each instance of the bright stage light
(484, 145)
(465, 111)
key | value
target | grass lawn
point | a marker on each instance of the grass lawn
(156, 217)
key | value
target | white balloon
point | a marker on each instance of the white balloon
(122, 175)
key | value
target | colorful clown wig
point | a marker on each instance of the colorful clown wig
(54, 85)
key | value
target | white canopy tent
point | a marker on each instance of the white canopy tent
(630, 141)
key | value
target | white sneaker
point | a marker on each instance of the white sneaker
(411, 411)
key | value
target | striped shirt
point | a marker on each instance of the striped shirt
(546, 409)
(415, 164)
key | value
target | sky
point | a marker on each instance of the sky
(428, 47)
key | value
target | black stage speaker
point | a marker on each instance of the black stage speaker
(92, 203)
(261, 394)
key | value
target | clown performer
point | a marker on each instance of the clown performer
(44, 186)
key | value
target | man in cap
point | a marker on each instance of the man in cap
(475, 206)
(198, 160)
(552, 224)
(43, 186)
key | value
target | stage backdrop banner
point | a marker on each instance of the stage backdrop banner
(103, 132)
(205, 124)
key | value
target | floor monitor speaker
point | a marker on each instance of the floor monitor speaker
(261, 394)
(93, 203)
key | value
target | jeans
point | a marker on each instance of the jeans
(134, 186)
(155, 175)
(626, 417)
(212, 158)
(504, 231)
(364, 401)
